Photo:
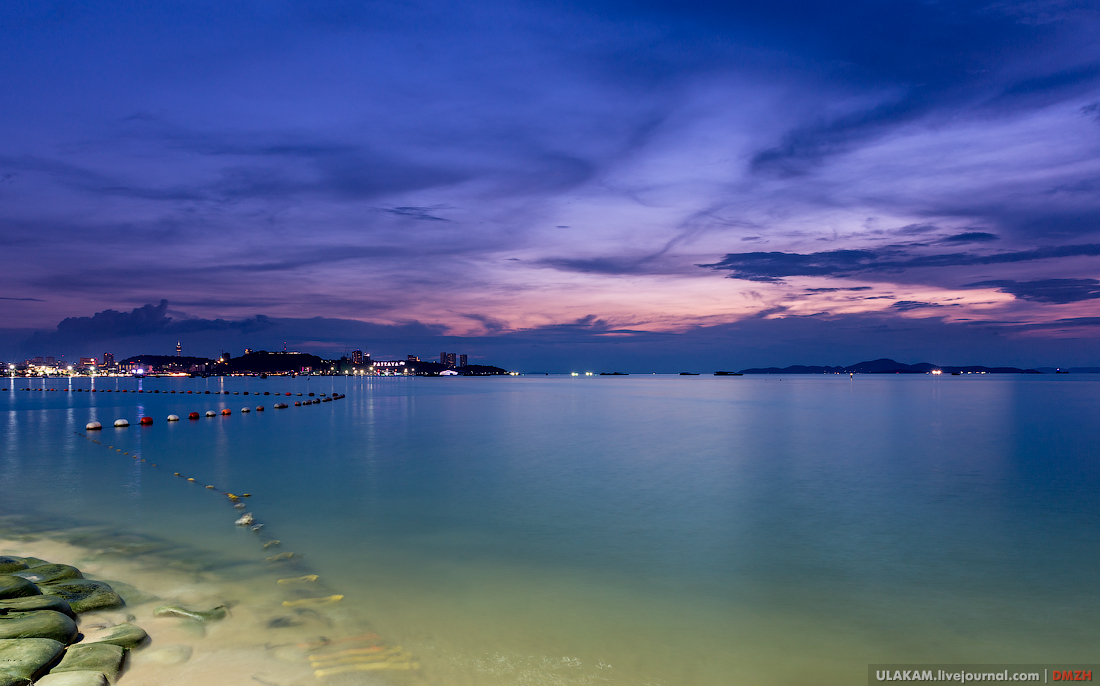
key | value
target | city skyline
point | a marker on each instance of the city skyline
(548, 184)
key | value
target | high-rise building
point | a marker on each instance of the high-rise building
(108, 360)
(461, 360)
(357, 357)
(447, 359)
(179, 349)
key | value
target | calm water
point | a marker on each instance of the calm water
(636, 530)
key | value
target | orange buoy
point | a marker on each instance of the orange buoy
(227, 411)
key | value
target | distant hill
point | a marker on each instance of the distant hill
(886, 366)
(264, 362)
(481, 370)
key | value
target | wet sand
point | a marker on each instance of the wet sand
(293, 632)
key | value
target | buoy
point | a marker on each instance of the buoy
(146, 421)
(245, 409)
(211, 413)
(193, 415)
(227, 411)
(93, 426)
(297, 404)
(121, 423)
(173, 417)
(287, 393)
(259, 408)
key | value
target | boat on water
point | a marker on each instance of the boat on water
(689, 374)
(728, 374)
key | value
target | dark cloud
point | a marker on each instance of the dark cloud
(836, 290)
(971, 237)
(907, 305)
(144, 321)
(773, 266)
(421, 213)
(36, 300)
(1046, 290)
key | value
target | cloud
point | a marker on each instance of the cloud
(418, 212)
(146, 320)
(1046, 290)
(971, 237)
(773, 266)
(836, 290)
(908, 305)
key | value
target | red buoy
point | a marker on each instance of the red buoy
(193, 415)
(145, 421)
(227, 411)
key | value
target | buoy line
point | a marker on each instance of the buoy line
(329, 657)
(225, 412)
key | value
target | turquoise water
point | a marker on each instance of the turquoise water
(630, 530)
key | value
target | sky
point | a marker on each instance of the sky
(545, 185)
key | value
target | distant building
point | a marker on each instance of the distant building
(412, 358)
(248, 351)
(447, 359)
(179, 349)
(357, 357)
(88, 362)
(108, 360)
(389, 366)
(461, 360)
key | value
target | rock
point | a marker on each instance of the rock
(88, 678)
(40, 624)
(16, 587)
(33, 603)
(246, 520)
(130, 595)
(11, 564)
(218, 613)
(44, 574)
(96, 657)
(127, 636)
(23, 659)
(32, 561)
(165, 655)
(85, 595)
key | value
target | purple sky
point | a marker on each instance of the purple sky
(651, 185)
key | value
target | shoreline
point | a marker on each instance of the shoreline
(289, 633)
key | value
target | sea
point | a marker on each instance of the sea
(641, 530)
